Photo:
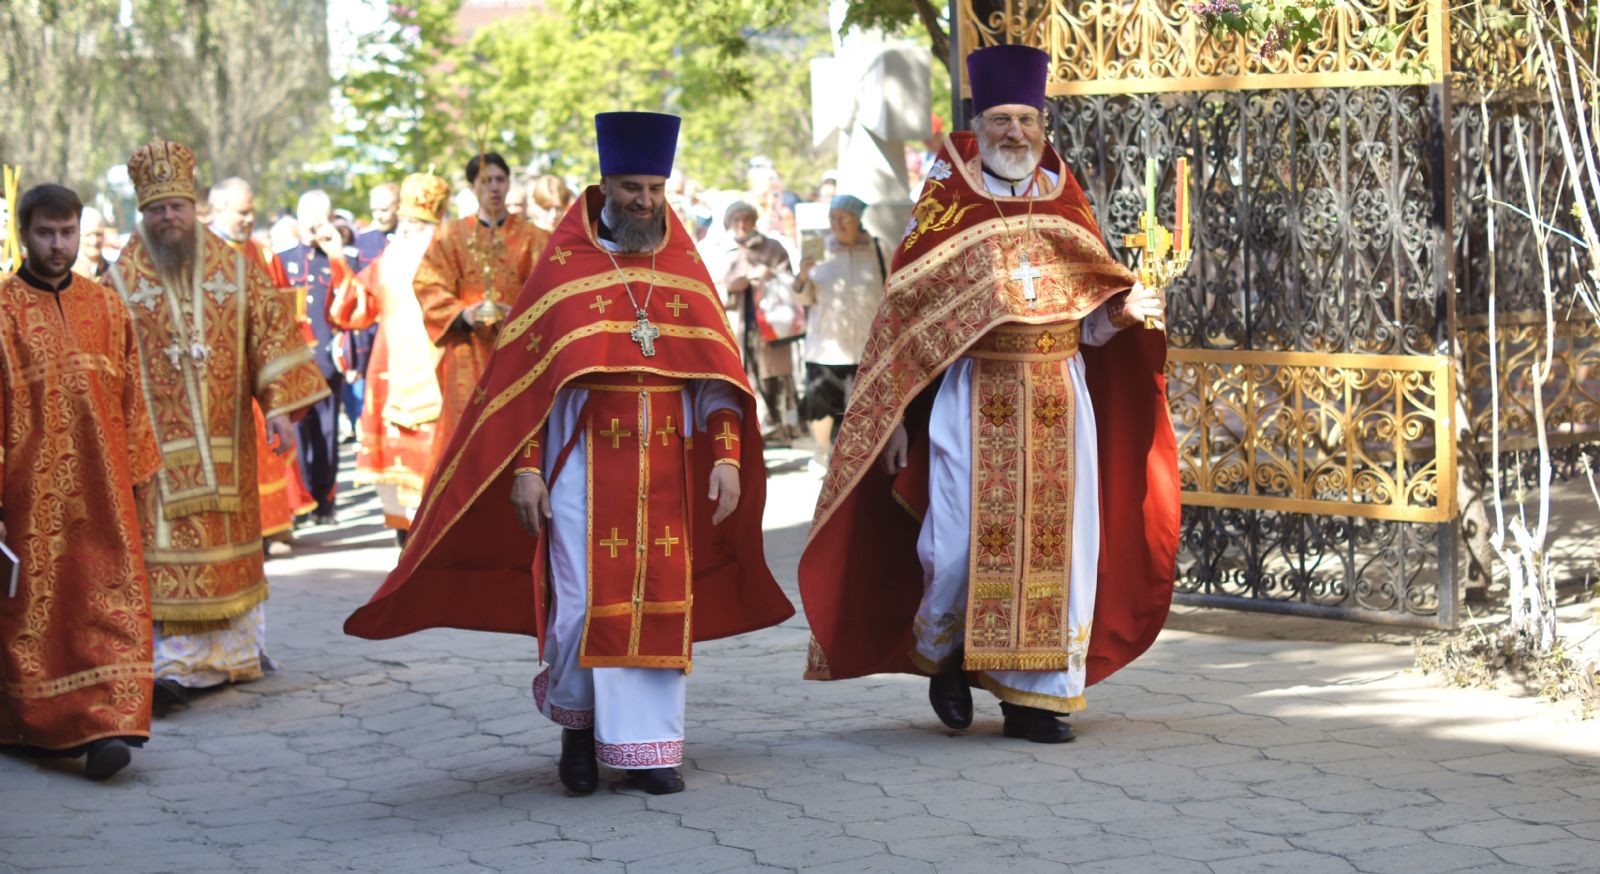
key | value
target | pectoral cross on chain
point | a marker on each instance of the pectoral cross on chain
(645, 334)
(1026, 273)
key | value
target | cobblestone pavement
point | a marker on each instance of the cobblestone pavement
(1255, 749)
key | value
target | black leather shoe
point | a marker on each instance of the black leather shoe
(951, 697)
(1038, 726)
(170, 695)
(656, 781)
(106, 757)
(579, 771)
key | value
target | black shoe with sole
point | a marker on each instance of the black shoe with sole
(1033, 724)
(106, 757)
(579, 771)
(656, 781)
(170, 695)
(951, 697)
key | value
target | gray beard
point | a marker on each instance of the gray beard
(173, 263)
(631, 235)
(1003, 164)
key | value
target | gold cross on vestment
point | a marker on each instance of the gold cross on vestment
(667, 541)
(727, 436)
(535, 343)
(561, 255)
(1026, 273)
(677, 306)
(695, 254)
(666, 430)
(616, 434)
(600, 304)
(614, 542)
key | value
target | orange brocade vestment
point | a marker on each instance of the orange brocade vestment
(403, 402)
(74, 440)
(209, 345)
(450, 279)
(283, 492)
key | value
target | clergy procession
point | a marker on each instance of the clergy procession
(496, 365)
(839, 492)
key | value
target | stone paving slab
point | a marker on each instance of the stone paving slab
(1239, 743)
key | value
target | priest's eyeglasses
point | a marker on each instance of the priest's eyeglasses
(1000, 121)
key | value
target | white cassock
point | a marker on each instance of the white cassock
(637, 713)
(942, 545)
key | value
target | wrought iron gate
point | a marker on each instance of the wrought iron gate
(1310, 374)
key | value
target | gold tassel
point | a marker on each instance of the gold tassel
(179, 612)
(999, 661)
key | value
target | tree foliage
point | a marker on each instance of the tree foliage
(732, 28)
(531, 84)
(400, 96)
(243, 82)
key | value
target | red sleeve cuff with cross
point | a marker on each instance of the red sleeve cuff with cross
(723, 426)
(528, 460)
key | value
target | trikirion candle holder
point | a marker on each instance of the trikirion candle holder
(1164, 253)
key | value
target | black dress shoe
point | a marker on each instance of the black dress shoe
(951, 697)
(170, 695)
(656, 781)
(1038, 726)
(106, 757)
(579, 771)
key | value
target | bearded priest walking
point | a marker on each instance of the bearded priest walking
(213, 334)
(1002, 505)
(604, 490)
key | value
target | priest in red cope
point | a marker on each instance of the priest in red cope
(604, 491)
(1002, 507)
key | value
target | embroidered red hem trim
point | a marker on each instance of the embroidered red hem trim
(651, 754)
(559, 715)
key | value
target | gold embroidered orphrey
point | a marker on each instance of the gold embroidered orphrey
(1022, 481)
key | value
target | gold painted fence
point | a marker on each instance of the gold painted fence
(1144, 46)
(1302, 432)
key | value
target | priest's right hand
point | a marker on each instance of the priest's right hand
(532, 500)
(893, 458)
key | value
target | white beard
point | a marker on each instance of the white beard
(1005, 164)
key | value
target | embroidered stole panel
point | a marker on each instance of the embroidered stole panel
(1023, 469)
(638, 528)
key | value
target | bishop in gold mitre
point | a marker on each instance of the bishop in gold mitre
(213, 335)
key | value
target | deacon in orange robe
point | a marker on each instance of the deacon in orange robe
(616, 420)
(472, 271)
(283, 493)
(213, 335)
(403, 401)
(75, 440)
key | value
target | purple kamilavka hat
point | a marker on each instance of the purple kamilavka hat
(636, 143)
(1006, 74)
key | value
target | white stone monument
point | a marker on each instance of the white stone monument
(869, 99)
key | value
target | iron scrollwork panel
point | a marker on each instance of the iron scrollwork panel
(1316, 231)
(1318, 202)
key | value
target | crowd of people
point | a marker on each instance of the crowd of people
(562, 399)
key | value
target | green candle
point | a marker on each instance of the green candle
(1150, 186)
